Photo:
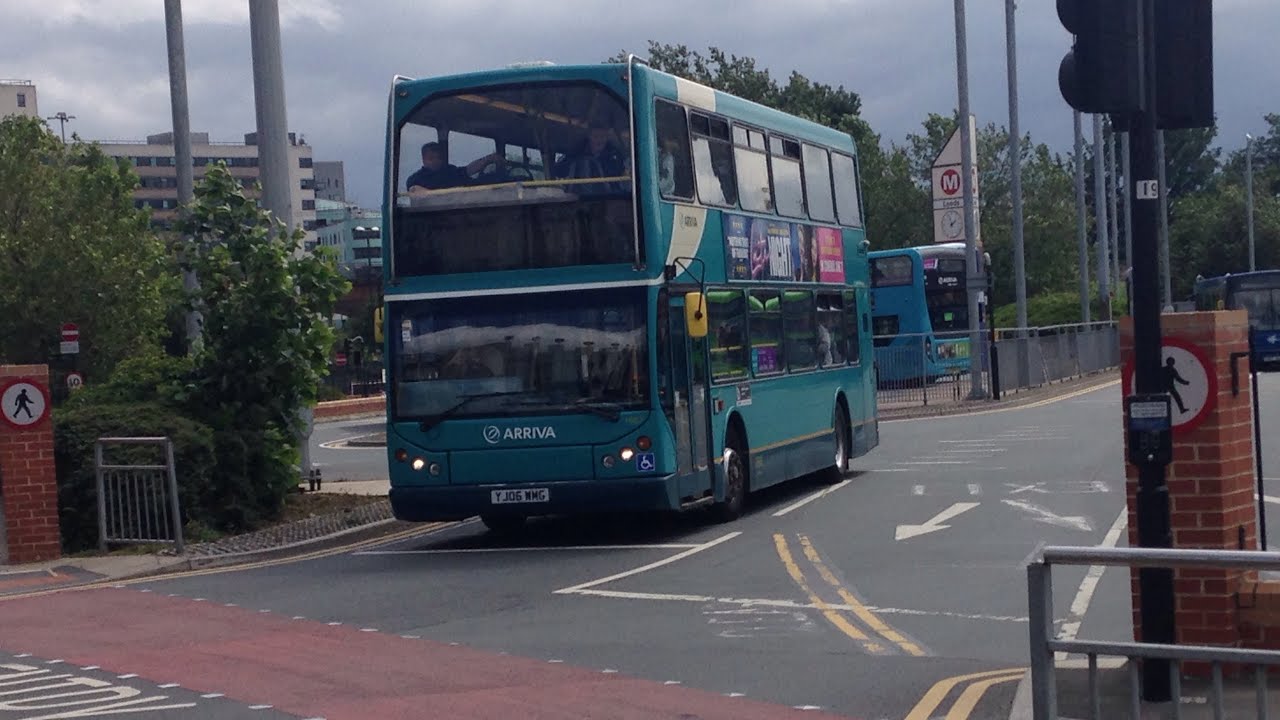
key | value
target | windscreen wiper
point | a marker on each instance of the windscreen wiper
(607, 410)
(440, 417)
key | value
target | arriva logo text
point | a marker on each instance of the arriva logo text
(493, 435)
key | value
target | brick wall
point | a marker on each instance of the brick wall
(1211, 483)
(28, 482)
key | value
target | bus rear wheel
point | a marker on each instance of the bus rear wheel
(503, 523)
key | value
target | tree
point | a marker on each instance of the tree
(265, 338)
(75, 249)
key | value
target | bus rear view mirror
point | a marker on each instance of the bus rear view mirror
(695, 314)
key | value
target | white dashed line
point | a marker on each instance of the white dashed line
(53, 662)
(555, 661)
(210, 696)
(169, 686)
(128, 676)
(671, 682)
(334, 624)
(917, 490)
(735, 695)
(368, 629)
(89, 667)
(298, 617)
(263, 612)
(23, 655)
(608, 671)
(259, 707)
(411, 637)
(231, 605)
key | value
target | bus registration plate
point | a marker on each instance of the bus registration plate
(523, 495)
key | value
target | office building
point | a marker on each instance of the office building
(18, 97)
(331, 182)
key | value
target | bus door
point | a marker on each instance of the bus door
(689, 383)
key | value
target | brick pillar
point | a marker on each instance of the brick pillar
(28, 483)
(1211, 481)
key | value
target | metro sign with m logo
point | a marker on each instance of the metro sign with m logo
(950, 181)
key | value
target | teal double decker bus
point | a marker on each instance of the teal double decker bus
(611, 289)
(921, 312)
(1256, 292)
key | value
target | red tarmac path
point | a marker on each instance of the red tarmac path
(315, 670)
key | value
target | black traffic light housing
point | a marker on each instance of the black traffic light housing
(1184, 66)
(1102, 72)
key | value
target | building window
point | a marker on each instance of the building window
(22, 99)
(308, 204)
(308, 184)
(164, 162)
(304, 162)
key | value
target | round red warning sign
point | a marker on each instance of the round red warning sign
(1191, 380)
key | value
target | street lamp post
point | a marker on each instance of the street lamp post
(1248, 197)
(62, 119)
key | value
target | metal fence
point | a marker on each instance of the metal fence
(922, 370)
(1045, 644)
(138, 501)
(1055, 353)
(364, 380)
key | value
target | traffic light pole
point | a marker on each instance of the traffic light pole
(1155, 584)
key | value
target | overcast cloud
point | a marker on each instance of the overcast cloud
(104, 61)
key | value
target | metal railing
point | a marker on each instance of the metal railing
(1045, 644)
(924, 370)
(1055, 353)
(137, 502)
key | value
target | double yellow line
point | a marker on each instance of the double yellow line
(977, 685)
(406, 534)
(874, 635)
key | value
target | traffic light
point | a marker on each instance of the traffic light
(1102, 72)
(1184, 64)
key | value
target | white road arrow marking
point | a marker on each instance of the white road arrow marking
(1074, 522)
(934, 523)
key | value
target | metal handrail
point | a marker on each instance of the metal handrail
(1155, 557)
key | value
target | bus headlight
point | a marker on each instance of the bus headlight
(626, 454)
(434, 469)
(419, 463)
(607, 461)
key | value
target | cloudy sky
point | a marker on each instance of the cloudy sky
(104, 61)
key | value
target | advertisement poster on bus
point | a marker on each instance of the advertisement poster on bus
(779, 251)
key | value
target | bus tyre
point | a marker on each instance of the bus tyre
(503, 523)
(840, 447)
(735, 485)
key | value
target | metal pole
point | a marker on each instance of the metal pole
(1155, 584)
(1100, 216)
(1113, 216)
(181, 145)
(1126, 170)
(1015, 158)
(1082, 233)
(273, 146)
(1248, 197)
(1164, 220)
(974, 282)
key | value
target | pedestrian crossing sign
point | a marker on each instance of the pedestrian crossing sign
(1190, 379)
(23, 403)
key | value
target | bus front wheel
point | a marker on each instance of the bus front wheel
(734, 468)
(840, 429)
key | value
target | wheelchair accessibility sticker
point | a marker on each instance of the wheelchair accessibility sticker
(646, 462)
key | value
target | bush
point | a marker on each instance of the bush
(77, 429)
(1060, 308)
(149, 378)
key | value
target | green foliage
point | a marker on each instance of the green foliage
(265, 340)
(1061, 308)
(75, 250)
(151, 377)
(76, 429)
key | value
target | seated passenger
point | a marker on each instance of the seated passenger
(435, 173)
(598, 157)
